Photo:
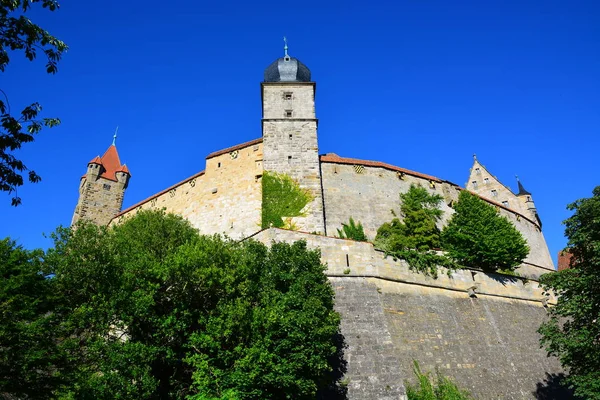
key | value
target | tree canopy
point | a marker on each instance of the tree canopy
(151, 309)
(573, 331)
(478, 236)
(19, 33)
(417, 230)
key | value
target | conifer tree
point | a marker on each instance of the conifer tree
(477, 236)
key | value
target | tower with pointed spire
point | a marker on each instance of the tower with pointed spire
(289, 127)
(102, 188)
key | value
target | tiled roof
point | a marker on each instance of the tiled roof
(124, 169)
(159, 193)
(238, 147)
(334, 158)
(110, 164)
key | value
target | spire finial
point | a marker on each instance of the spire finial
(285, 46)
(517, 176)
(115, 136)
(474, 157)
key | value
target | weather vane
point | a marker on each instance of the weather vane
(115, 135)
(285, 47)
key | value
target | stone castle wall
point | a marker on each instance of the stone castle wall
(488, 343)
(225, 198)
(370, 194)
(290, 143)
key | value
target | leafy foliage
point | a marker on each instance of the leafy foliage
(18, 33)
(28, 351)
(414, 238)
(441, 388)
(573, 331)
(477, 236)
(150, 309)
(282, 199)
(417, 230)
(353, 231)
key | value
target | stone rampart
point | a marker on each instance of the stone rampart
(225, 198)
(486, 340)
(370, 195)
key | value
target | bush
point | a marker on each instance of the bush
(353, 231)
(282, 200)
(441, 388)
(477, 236)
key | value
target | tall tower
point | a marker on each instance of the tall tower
(102, 188)
(289, 126)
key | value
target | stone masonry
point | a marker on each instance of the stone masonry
(290, 143)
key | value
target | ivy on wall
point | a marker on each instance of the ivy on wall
(282, 200)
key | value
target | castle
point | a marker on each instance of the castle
(478, 328)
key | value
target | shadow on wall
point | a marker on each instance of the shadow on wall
(554, 388)
(336, 389)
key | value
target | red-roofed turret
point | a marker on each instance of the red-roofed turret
(102, 188)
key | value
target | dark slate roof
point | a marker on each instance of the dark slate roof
(522, 191)
(287, 69)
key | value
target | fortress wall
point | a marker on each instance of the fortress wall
(488, 344)
(225, 199)
(370, 196)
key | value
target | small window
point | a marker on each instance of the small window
(474, 183)
(106, 186)
(219, 165)
(288, 113)
(287, 95)
(505, 203)
(486, 181)
(291, 136)
(494, 193)
(477, 171)
(528, 198)
(289, 159)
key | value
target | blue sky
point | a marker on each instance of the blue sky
(418, 84)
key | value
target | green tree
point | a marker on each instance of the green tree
(29, 358)
(417, 230)
(573, 331)
(18, 33)
(414, 238)
(477, 236)
(154, 310)
(352, 230)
